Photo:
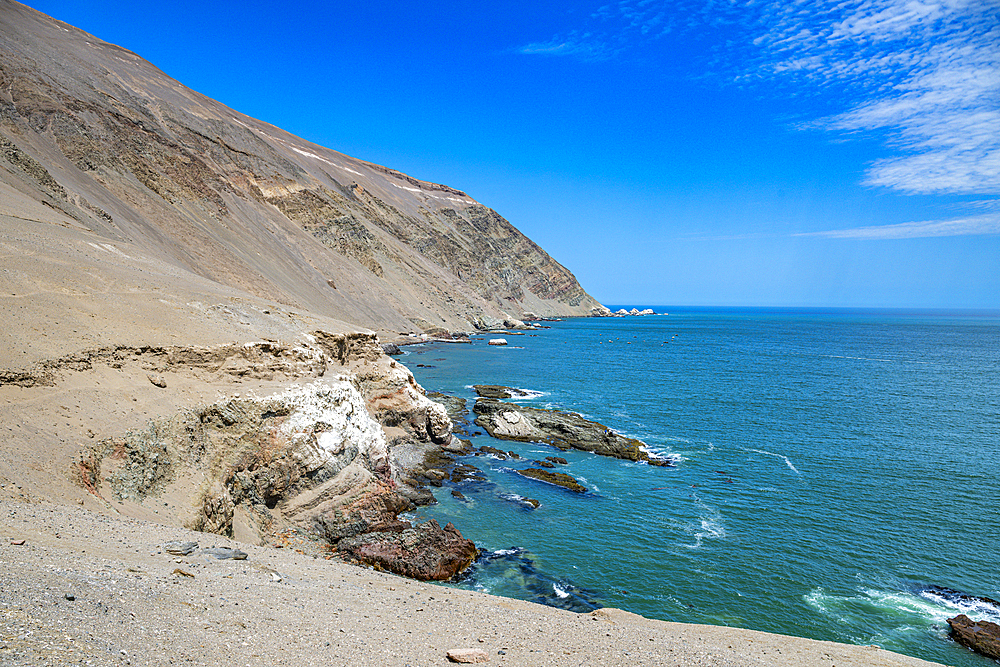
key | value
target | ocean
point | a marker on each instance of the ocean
(836, 471)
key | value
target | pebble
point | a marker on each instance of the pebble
(467, 655)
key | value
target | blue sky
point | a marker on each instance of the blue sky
(694, 152)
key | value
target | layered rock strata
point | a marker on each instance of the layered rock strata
(336, 455)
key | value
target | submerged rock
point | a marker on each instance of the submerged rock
(515, 573)
(426, 552)
(982, 637)
(564, 430)
(557, 478)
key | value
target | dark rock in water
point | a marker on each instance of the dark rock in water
(456, 408)
(557, 459)
(499, 453)
(514, 573)
(521, 501)
(544, 464)
(426, 552)
(391, 349)
(957, 597)
(464, 471)
(557, 478)
(498, 391)
(514, 455)
(455, 493)
(564, 430)
(982, 637)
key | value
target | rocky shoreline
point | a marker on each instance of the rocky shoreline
(82, 587)
(310, 463)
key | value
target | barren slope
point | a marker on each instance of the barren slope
(104, 157)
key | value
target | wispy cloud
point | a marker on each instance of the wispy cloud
(925, 71)
(924, 74)
(608, 30)
(584, 46)
(973, 226)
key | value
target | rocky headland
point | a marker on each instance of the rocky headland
(195, 305)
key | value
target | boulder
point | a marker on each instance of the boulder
(498, 341)
(178, 548)
(557, 478)
(391, 349)
(983, 637)
(426, 552)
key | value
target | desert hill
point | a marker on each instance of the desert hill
(121, 188)
(190, 302)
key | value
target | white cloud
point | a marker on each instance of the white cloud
(925, 73)
(972, 226)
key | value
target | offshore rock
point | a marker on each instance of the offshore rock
(564, 430)
(426, 552)
(498, 391)
(557, 478)
(982, 637)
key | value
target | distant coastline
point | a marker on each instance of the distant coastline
(987, 313)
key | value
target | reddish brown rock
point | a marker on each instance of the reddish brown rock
(981, 636)
(426, 552)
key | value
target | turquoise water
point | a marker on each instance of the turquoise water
(831, 467)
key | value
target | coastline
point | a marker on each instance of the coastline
(283, 607)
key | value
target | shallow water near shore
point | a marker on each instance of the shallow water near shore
(831, 467)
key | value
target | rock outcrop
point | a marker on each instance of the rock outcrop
(426, 552)
(983, 637)
(312, 455)
(564, 430)
(556, 478)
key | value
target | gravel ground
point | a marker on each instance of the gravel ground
(90, 589)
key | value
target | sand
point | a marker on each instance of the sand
(87, 588)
